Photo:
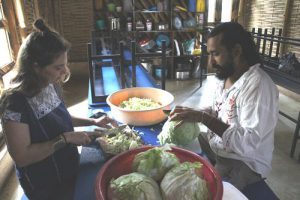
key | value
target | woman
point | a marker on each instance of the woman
(38, 128)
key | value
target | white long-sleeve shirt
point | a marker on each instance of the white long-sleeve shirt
(250, 107)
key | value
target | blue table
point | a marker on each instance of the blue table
(92, 158)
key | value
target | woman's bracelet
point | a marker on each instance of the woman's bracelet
(59, 142)
(64, 138)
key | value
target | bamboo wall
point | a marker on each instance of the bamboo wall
(271, 14)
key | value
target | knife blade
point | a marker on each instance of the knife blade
(167, 112)
(115, 130)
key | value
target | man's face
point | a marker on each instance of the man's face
(220, 58)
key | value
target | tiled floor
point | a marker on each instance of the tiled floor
(285, 176)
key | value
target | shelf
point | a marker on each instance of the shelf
(180, 11)
(142, 11)
(151, 12)
(184, 56)
(153, 31)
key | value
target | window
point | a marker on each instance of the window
(226, 11)
(211, 10)
(5, 50)
(220, 10)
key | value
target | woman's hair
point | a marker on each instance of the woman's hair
(232, 34)
(40, 49)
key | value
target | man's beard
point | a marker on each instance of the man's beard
(224, 71)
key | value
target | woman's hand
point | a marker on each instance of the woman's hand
(78, 138)
(105, 122)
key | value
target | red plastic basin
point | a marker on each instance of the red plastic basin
(121, 165)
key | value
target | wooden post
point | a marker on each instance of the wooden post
(164, 65)
(278, 45)
(271, 43)
(241, 13)
(122, 67)
(264, 42)
(133, 63)
(259, 39)
(91, 70)
(286, 23)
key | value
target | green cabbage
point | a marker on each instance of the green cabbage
(135, 186)
(182, 183)
(182, 135)
(154, 162)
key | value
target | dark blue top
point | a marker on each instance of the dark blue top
(47, 117)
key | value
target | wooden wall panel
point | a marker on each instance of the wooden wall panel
(76, 23)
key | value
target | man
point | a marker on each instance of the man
(244, 111)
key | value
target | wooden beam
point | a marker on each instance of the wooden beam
(14, 37)
(287, 15)
(286, 23)
(241, 13)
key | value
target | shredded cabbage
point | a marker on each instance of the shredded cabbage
(137, 104)
(118, 141)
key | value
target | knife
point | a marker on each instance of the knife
(112, 130)
(167, 112)
(97, 133)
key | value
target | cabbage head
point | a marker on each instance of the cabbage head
(154, 162)
(182, 135)
(134, 186)
(182, 183)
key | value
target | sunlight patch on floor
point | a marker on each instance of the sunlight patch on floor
(80, 109)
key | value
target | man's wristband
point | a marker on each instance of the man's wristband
(207, 119)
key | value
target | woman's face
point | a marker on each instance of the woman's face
(57, 71)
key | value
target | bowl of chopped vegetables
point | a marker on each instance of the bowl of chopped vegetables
(140, 106)
(156, 173)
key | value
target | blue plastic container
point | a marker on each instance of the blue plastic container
(192, 6)
(158, 72)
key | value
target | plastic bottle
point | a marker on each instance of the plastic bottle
(149, 25)
(127, 6)
(166, 5)
(160, 6)
(200, 7)
(129, 24)
(192, 6)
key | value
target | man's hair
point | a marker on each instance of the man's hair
(232, 34)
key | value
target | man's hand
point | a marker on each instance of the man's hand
(185, 114)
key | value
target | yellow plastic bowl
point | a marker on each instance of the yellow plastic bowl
(142, 117)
